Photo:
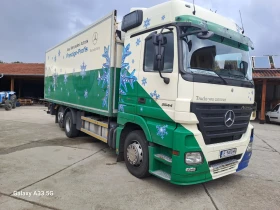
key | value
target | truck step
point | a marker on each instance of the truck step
(94, 135)
(164, 158)
(162, 174)
(96, 122)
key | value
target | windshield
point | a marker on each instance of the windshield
(203, 56)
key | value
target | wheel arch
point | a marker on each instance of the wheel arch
(125, 127)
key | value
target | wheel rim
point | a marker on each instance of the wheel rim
(68, 124)
(60, 117)
(135, 153)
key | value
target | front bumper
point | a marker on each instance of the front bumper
(212, 168)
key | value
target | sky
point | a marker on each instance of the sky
(28, 28)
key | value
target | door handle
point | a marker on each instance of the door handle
(141, 100)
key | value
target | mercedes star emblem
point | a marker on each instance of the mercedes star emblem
(95, 38)
(229, 118)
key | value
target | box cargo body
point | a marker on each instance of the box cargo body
(80, 72)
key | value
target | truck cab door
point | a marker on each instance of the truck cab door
(155, 98)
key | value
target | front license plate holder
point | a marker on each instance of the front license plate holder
(228, 153)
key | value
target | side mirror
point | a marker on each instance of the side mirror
(159, 40)
(205, 35)
(159, 58)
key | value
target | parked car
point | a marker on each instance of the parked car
(273, 115)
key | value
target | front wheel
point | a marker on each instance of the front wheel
(267, 120)
(136, 154)
(8, 105)
(70, 129)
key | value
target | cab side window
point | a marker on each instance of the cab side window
(168, 54)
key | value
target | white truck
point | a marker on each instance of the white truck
(170, 89)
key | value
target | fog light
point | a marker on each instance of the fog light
(250, 147)
(193, 158)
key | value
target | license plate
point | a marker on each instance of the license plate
(228, 153)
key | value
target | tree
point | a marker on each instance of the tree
(1, 61)
(17, 62)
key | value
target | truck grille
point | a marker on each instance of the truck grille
(211, 119)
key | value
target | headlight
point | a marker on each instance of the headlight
(193, 158)
(250, 147)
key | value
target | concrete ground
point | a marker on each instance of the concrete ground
(62, 173)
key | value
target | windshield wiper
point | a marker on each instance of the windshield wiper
(225, 82)
(241, 76)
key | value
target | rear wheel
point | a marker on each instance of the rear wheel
(14, 104)
(136, 154)
(70, 129)
(60, 118)
(14, 101)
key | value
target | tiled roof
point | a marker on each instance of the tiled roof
(266, 73)
(22, 69)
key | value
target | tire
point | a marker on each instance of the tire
(70, 128)
(60, 117)
(8, 105)
(14, 104)
(267, 120)
(137, 163)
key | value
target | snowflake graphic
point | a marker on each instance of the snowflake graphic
(161, 131)
(144, 81)
(61, 88)
(155, 95)
(124, 77)
(54, 76)
(122, 92)
(147, 23)
(163, 17)
(121, 107)
(132, 61)
(59, 53)
(141, 109)
(105, 78)
(83, 72)
(138, 42)
(65, 78)
(68, 93)
(86, 94)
